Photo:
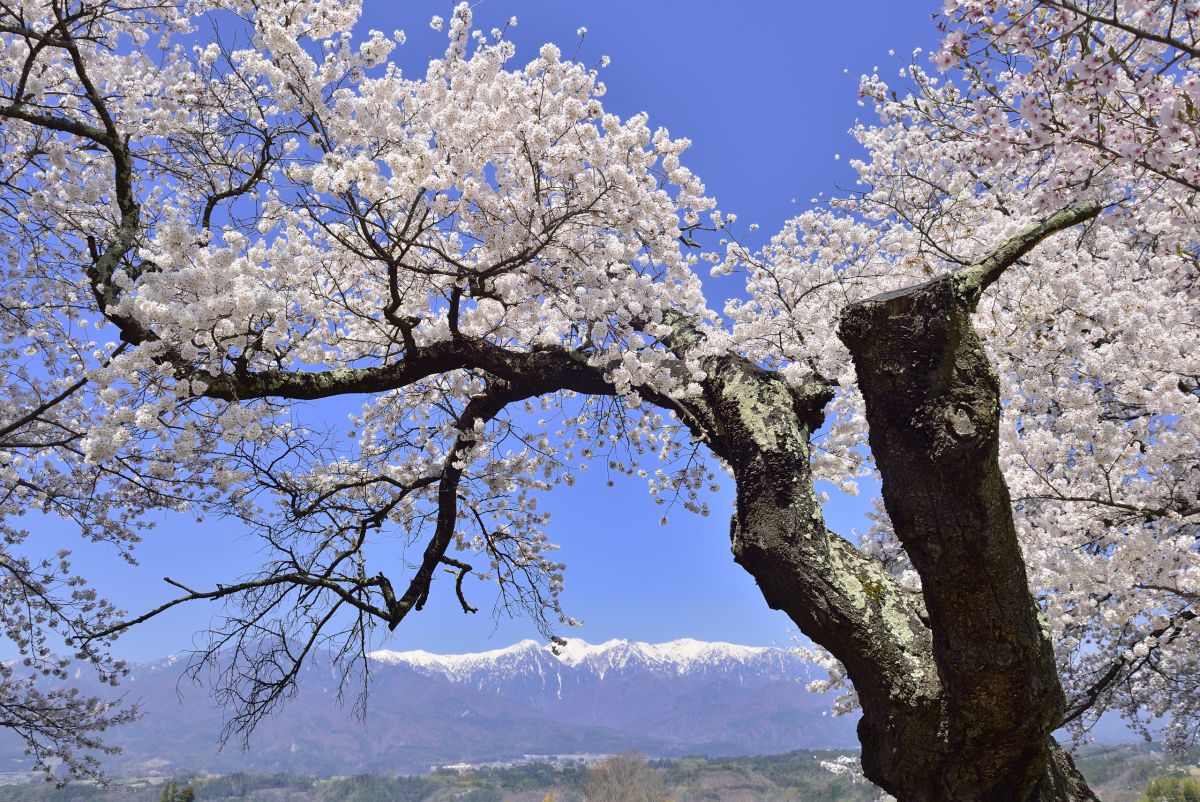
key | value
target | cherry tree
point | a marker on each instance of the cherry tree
(204, 240)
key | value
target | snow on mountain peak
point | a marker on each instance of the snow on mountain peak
(681, 656)
(458, 664)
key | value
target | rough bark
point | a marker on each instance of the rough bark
(933, 404)
(837, 596)
(933, 409)
(923, 740)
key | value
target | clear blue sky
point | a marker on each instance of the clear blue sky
(766, 90)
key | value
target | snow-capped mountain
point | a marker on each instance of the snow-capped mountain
(683, 657)
(425, 709)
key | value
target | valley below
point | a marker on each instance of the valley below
(427, 710)
(1117, 773)
(718, 722)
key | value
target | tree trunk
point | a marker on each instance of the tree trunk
(958, 684)
(917, 744)
(933, 410)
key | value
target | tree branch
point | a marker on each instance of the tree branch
(1114, 22)
(973, 280)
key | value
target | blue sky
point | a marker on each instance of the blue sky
(766, 90)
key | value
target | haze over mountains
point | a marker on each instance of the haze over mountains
(668, 699)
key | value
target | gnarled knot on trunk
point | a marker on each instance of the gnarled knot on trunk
(956, 426)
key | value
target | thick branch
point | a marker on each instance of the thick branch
(552, 368)
(839, 597)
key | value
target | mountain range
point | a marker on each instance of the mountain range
(427, 710)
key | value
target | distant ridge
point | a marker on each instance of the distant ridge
(425, 709)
